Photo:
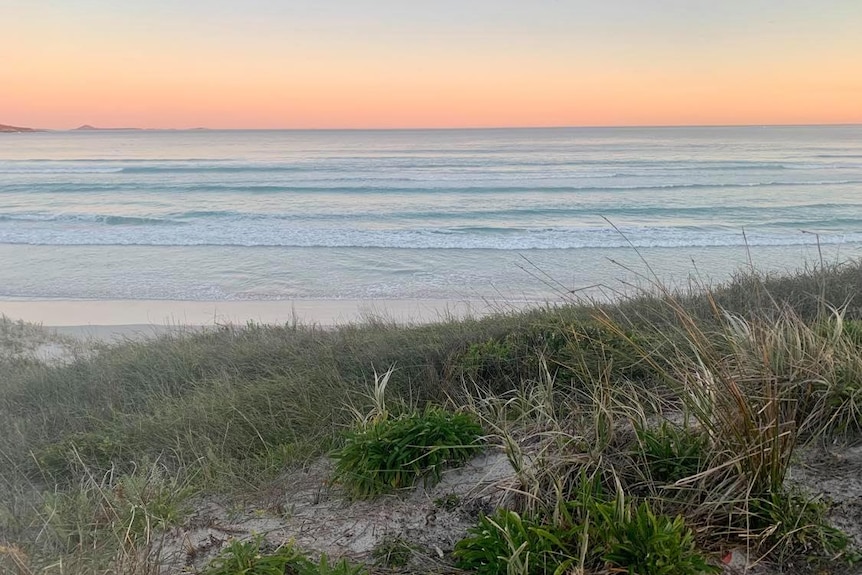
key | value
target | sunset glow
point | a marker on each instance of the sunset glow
(388, 64)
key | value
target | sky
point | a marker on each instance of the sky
(428, 64)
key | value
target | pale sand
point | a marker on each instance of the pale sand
(107, 320)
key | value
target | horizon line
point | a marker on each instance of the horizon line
(91, 128)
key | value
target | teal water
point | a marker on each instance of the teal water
(235, 215)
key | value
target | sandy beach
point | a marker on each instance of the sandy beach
(108, 320)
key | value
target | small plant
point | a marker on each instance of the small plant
(794, 525)
(508, 543)
(253, 558)
(672, 453)
(588, 533)
(392, 552)
(625, 538)
(643, 543)
(149, 501)
(324, 567)
(448, 502)
(257, 557)
(394, 453)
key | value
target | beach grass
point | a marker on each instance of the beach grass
(683, 410)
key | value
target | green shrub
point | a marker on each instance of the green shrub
(643, 543)
(251, 558)
(632, 539)
(394, 453)
(571, 351)
(672, 453)
(590, 532)
(256, 557)
(793, 525)
(508, 543)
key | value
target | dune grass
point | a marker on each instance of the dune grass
(689, 403)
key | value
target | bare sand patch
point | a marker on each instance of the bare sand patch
(305, 508)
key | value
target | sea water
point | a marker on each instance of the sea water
(526, 214)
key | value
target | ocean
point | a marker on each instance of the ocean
(520, 214)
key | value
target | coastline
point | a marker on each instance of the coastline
(118, 318)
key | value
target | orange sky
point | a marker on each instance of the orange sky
(362, 64)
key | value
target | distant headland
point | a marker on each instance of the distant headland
(8, 129)
(89, 128)
(15, 129)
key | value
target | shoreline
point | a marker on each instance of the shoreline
(137, 316)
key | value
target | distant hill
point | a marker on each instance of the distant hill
(89, 128)
(7, 129)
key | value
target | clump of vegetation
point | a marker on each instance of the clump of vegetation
(794, 525)
(592, 534)
(252, 558)
(129, 508)
(492, 361)
(392, 453)
(639, 541)
(672, 453)
(256, 557)
(505, 542)
(571, 348)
